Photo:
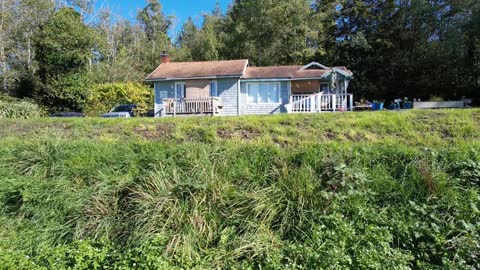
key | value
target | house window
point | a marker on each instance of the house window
(213, 89)
(263, 92)
(252, 93)
(180, 90)
(325, 88)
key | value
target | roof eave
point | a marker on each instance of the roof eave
(194, 78)
(343, 72)
(285, 78)
(266, 78)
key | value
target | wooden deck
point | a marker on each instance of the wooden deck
(192, 105)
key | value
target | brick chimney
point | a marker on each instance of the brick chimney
(165, 58)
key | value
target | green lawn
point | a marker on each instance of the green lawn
(372, 190)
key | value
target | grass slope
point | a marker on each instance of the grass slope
(389, 190)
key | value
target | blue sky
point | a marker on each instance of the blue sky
(181, 9)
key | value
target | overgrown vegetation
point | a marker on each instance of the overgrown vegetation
(13, 108)
(331, 191)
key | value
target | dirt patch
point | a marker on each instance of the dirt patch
(445, 133)
(249, 133)
(296, 123)
(286, 123)
(429, 117)
(476, 116)
(434, 124)
(245, 133)
(23, 129)
(357, 137)
(161, 131)
(100, 130)
(330, 134)
(441, 131)
(306, 123)
(225, 133)
(199, 134)
(281, 142)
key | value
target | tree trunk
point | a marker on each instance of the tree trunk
(4, 68)
(29, 52)
(2, 47)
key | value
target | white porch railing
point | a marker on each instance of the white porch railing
(191, 105)
(320, 103)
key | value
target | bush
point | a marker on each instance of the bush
(66, 93)
(15, 108)
(105, 96)
(436, 99)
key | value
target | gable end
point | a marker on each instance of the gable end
(314, 65)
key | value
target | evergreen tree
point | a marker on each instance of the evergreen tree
(155, 26)
(186, 41)
(209, 42)
(188, 34)
(271, 32)
(153, 20)
(63, 49)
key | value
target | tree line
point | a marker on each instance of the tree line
(55, 51)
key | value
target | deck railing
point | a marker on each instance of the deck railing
(191, 105)
(320, 103)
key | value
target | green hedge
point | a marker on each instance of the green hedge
(103, 97)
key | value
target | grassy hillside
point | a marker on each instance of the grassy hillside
(390, 190)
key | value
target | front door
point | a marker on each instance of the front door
(180, 89)
(325, 88)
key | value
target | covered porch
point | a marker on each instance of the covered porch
(328, 93)
(193, 97)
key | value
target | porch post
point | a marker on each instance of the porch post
(174, 107)
(334, 102)
(320, 102)
(312, 104)
(155, 96)
(351, 102)
(239, 93)
(175, 100)
(288, 106)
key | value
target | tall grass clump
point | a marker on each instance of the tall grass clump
(19, 109)
(242, 198)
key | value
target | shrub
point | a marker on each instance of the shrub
(436, 99)
(66, 93)
(15, 108)
(105, 96)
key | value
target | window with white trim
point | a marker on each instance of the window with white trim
(265, 92)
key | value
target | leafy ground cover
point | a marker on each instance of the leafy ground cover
(389, 190)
